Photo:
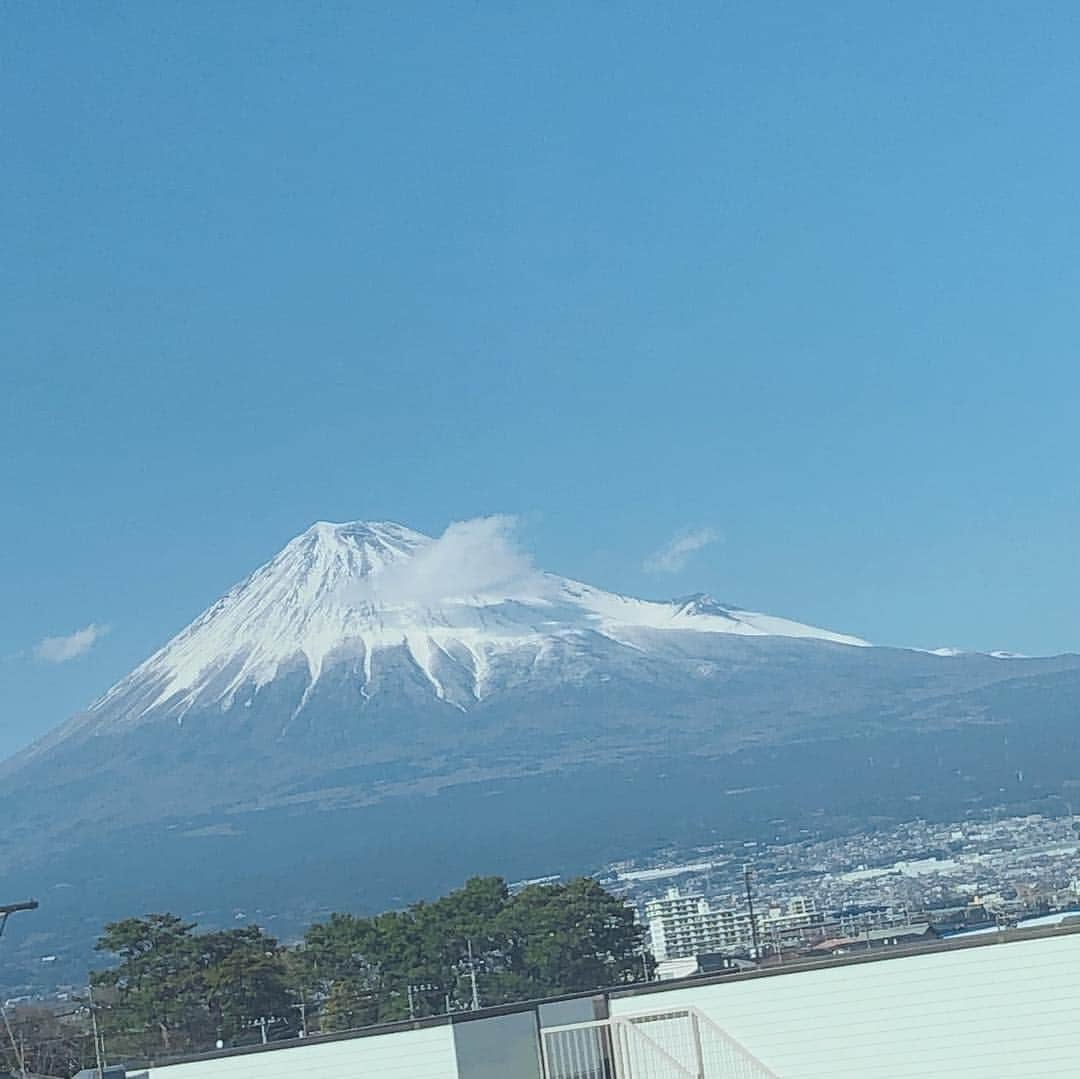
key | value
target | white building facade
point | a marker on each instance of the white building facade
(680, 925)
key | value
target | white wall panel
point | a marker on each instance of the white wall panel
(413, 1054)
(980, 1013)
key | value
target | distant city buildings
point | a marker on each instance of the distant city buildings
(952, 875)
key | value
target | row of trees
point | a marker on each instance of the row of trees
(174, 989)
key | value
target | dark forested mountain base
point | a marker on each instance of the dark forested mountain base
(285, 866)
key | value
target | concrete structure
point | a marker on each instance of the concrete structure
(976, 1007)
(692, 966)
(670, 969)
(684, 925)
(916, 933)
(681, 926)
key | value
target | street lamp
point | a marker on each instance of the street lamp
(7, 909)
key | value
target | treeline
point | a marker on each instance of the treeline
(175, 990)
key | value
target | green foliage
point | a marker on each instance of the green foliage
(245, 977)
(546, 940)
(563, 938)
(349, 1004)
(177, 990)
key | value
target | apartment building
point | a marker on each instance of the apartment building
(685, 925)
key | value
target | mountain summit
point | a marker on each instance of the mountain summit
(353, 595)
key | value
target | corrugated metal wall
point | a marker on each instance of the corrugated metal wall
(1009, 1010)
(413, 1054)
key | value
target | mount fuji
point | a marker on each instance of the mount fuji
(353, 602)
(374, 714)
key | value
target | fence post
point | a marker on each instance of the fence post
(699, 1060)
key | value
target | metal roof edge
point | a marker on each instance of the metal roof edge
(801, 966)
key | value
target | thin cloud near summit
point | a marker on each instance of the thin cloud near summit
(71, 646)
(674, 555)
(474, 557)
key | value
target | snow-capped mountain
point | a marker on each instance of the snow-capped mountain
(375, 714)
(353, 595)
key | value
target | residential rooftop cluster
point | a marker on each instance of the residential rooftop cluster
(876, 887)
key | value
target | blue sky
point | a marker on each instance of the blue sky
(804, 276)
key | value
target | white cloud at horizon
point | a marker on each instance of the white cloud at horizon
(70, 646)
(480, 556)
(674, 555)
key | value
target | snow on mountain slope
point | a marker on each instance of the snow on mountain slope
(348, 592)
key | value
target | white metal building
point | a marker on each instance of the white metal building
(1008, 1009)
(982, 1007)
(412, 1054)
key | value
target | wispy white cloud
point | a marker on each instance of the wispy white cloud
(478, 557)
(62, 649)
(674, 554)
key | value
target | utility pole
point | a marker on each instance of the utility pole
(302, 1009)
(748, 874)
(472, 978)
(6, 911)
(99, 1045)
(20, 1059)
